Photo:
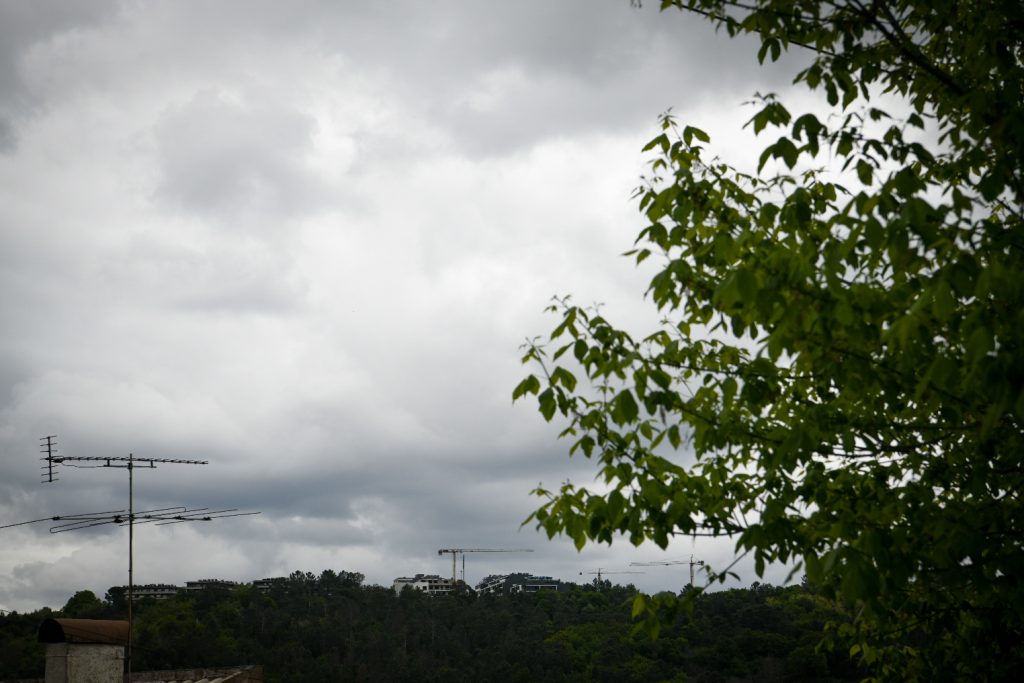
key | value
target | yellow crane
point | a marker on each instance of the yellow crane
(692, 562)
(455, 552)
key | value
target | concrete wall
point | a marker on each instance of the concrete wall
(84, 663)
(240, 674)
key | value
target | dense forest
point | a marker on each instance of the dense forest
(332, 627)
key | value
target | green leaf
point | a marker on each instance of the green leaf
(548, 404)
(978, 345)
(639, 605)
(624, 408)
(530, 385)
(562, 376)
(944, 305)
(689, 133)
(865, 172)
(785, 149)
(746, 284)
(660, 141)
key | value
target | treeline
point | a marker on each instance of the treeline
(331, 627)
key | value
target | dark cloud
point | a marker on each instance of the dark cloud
(304, 241)
(7, 139)
(499, 78)
(236, 157)
(22, 27)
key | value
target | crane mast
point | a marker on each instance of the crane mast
(601, 572)
(455, 552)
(692, 562)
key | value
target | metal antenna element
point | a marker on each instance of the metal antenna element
(161, 516)
(174, 515)
(455, 552)
(46, 446)
(692, 562)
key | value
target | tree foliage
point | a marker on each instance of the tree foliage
(83, 605)
(331, 628)
(838, 381)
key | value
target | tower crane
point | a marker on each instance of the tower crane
(455, 552)
(692, 562)
(601, 572)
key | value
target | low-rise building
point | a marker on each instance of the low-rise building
(157, 591)
(432, 584)
(506, 584)
(264, 585)
(206, 584)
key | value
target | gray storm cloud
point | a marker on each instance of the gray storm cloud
(304, 241)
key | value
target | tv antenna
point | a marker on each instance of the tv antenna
(161, 516)
(692, 562)
(173, 515)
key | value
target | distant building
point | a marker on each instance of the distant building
(264, 585)
(206, 584)
(506, 584)
(157, 591)
(432, 584)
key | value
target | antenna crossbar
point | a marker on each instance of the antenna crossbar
(47, 447)
(159, 517)
(105, 458)
(58, 518)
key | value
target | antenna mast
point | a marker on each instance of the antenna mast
(163, 516)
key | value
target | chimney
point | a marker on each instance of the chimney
(84, 650)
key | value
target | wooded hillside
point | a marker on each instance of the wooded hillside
(331, 627)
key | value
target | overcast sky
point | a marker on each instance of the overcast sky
(304, 241)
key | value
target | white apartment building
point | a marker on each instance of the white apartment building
(432, 584)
